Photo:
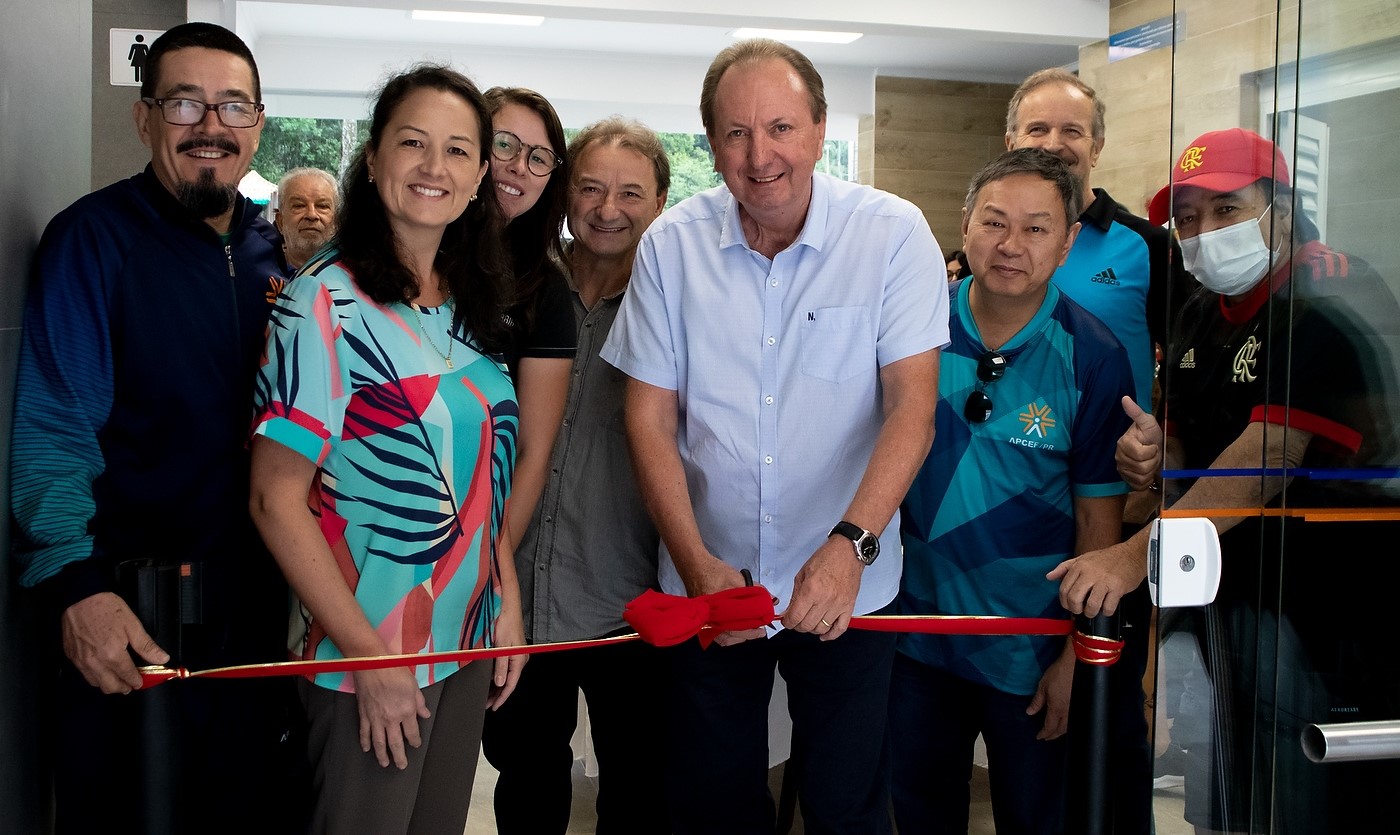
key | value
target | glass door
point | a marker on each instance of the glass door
(1283, 415)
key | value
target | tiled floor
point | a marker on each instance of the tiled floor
(482, 821)
(1168, 804)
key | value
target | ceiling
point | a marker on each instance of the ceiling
(644, 57)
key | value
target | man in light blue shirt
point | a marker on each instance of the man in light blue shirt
(782, 335)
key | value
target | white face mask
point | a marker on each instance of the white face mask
(1229, 261)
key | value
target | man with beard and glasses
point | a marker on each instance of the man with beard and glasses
(129, 470)
(305, 213)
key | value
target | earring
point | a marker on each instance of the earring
(473, 197)
(371, 178)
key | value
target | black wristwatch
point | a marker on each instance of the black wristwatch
(867, 544)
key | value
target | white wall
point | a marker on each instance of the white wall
(315, 80)
(320, 77)
(1063, 21)
(45, 148)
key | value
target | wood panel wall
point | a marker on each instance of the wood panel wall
(925, 141)
(1159, 101)
(927, 138)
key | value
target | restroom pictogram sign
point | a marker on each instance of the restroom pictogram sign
(126, 55)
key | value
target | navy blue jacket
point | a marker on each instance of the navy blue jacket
(142, 333)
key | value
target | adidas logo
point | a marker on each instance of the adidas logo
(1188, 360)
(1106, 277)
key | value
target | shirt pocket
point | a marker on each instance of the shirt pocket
(837, 343)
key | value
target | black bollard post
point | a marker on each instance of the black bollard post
(158, 765)
(1098, 809)
(153, 593)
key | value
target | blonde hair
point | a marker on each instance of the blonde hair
(1054, 75)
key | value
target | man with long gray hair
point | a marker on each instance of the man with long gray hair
(590, 547)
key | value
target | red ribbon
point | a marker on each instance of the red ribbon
(665, 620)
(156, 674)
(961, 624)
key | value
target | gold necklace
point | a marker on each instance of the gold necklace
(451, 343)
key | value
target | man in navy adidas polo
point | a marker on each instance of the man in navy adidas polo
(1120, 269)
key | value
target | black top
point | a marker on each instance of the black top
(552, 334)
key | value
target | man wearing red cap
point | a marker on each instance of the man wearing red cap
(1278, 360)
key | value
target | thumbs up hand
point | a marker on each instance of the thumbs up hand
(1139, 452)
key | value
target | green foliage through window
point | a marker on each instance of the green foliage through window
(291, 142)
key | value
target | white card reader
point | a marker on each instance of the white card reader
(1183, 562)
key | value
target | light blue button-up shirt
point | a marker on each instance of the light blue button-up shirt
(776, 366)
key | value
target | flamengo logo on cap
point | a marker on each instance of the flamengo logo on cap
(1188, 359)
(1193, 158)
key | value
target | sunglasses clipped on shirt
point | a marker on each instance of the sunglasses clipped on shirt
(991, 366)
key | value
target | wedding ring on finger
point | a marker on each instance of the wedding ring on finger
(824, 623)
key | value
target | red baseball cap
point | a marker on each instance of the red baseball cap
(1222, 160)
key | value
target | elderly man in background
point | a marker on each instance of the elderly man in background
(305, 215)
(782, 335)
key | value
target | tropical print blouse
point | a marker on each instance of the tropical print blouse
(413, 432)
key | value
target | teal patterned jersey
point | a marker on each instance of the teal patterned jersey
(992, 509)
(413, 432)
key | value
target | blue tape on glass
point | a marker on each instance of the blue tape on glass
(1314, 473)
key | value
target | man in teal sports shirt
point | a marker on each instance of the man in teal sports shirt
(1021, 476)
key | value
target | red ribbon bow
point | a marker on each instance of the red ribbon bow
(665, 620)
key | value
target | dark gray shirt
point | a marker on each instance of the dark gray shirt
(591, 547)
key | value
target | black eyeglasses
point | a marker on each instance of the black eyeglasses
(991, 366)
(506, 146)
(233, 114)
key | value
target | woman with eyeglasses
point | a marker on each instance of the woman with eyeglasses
(385, 398)
(531, 182)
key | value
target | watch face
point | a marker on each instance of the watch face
(867, 544)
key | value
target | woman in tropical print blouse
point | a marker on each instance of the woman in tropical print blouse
(382, 458)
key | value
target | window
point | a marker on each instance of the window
(292, 142)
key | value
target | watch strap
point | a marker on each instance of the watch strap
(865, 543)
(851, 531)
